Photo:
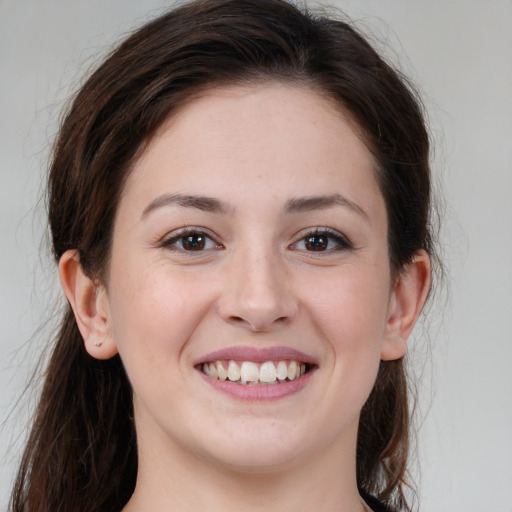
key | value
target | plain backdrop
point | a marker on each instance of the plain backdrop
(459, 53)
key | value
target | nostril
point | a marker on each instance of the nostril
(258, 324)
(258, 313)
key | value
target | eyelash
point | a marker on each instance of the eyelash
(342, 242)
(329, 235)
(186, 233)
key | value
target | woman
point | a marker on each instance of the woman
(239, 203)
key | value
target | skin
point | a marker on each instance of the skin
(256, 284)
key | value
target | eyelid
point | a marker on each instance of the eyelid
(168, 241)
(171, 238)
(344, 243)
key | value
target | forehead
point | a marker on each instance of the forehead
(288, 136)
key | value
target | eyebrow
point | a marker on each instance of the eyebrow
(204, 203)
(306, 204)
(211, 204)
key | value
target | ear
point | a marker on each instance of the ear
(89, 301)
(406, 302)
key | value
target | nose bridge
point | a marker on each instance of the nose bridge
(259, 294)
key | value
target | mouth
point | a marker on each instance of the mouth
(254, 373)
(262, 373)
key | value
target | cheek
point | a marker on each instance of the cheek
(154, 314)
(350, 309)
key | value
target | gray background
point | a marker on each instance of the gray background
(459, 53)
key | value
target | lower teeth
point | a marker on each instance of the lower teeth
(259, 383)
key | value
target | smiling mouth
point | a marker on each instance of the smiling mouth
(256, 374)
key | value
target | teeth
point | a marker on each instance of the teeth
(213, 370)
(222, 374)
(250, 373)
(267, 372)
(292, 370)
(233, 371)
(282, 370)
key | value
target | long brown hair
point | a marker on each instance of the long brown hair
(81, 454)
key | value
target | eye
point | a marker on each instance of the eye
(190, 240)
(322, 240)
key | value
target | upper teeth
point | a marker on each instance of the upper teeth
(247, 371)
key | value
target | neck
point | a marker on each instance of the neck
(177, 480)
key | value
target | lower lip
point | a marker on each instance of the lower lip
(258, 393)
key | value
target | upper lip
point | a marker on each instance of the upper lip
(256, 355)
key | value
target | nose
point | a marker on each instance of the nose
(258, 292)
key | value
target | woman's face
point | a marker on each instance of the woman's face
(251, 237)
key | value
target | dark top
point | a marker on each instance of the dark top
(376, 505)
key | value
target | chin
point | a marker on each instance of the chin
(251, 452)
(255, 460)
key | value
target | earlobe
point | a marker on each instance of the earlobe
(89, 302)
(407, 300)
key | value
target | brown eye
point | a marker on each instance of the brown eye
(322, 240)
(316, 243)
(195, 242)
(190, 241)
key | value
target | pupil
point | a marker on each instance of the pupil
(193, 242)
(317, 243)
